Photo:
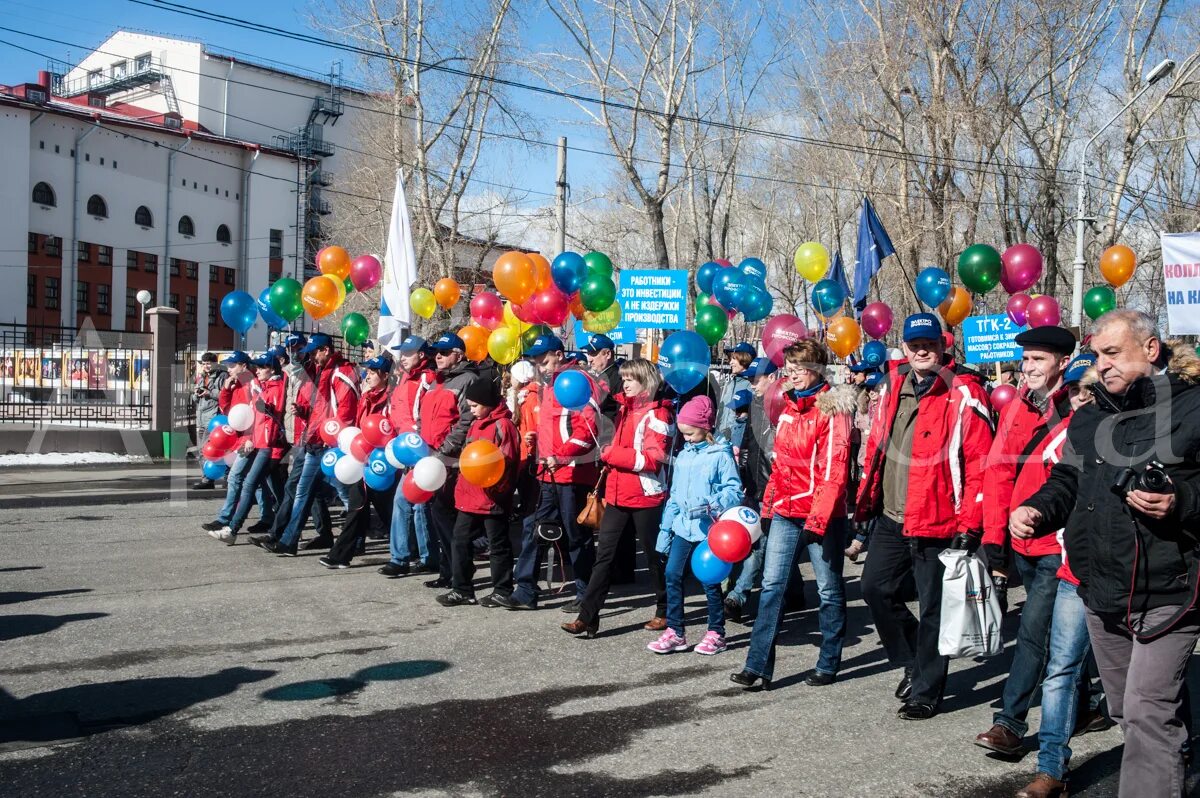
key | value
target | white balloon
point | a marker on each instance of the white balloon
(429, 473)
(747, 518)
(241, 417)
(348, 470)
(230, 456)
(389, 454)
(346, 437)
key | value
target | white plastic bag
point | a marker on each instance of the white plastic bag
(970, 609)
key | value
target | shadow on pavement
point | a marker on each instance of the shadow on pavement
(15, 568)
(16, 626)
(17, 596)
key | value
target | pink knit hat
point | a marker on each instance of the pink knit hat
(697, 412)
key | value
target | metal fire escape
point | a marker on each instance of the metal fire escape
(133, 73)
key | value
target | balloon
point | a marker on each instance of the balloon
(774, 401)
(504, 345)
(217, 421)
(414, 494)
(360, 449)
(577, 307)
(542, 277)
(705, 275)
(239, 311)
(330, 431)
(446, 292)
(356, 329)
(380, 456)
(1043, 311)
(320, 296)
(933, 286)
(365, 272)
(481, 463)
(979, 268)
(339, 285)
(531, 334)
(1021, 268)
(335, 262)
(213, 469)
(285, 298)
(222, 439)
(329, 459)
(378, 430)
(751, 520)
(379, 474)
(348, 470)
(729, 286)
(711, 324)
(1001, 396)
(525, 313)
(597, 292)
(724, 263)
(812, 261)
(756, 304)
(406, 450)
(422, 302)
(684, 360)
(348, 284)
(572, 389)
(1117, 265)
(429, 473)
(843, 336)
(346, 437)
(241, 417)
(212, 452)
(1098, 301)
(602, 321)
(568, 271)
(707, 567)
(515, 276)
(1016, 309)
(551, 306)
(781, 332)
(876, 319)
(268, 314)
(755, 272)
(598, 264)
(487, 310)
(476, 340)
(874, 353)
(827, 297)
(729, 541)
(956, 308)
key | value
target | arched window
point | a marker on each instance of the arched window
(223, 234)
(143, 217)
(97, 206)
(186, 227)
(44, 195)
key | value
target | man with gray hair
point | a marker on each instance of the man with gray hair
(1127, 490)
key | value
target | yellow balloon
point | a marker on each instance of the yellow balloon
(504, 345)
(340, 288)
(513, 323)
(422, 302)
(602, 321)
(812, 261)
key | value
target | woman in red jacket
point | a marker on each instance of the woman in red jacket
(484, 510)
(635, 489)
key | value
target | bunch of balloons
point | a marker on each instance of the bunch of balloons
(358, 454)
(828, 297)
(729, 541)
(224, 437)
(1117, 266)
(725, 290)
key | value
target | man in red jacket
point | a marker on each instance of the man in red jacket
(1041, 404)
(923, 478)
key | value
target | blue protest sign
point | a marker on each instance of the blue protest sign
(650, 299)
(990, 339)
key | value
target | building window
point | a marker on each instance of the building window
(141, 63)
(103, 299)
(276, 243)
(131, 303)
(131, 260)
(189, 310)
(51, 293)
(174, 267)
(44, 195)
(82, 297)
(229, 277)
(95, 78)
(150, 262)
(190, 270)
(53, 246)
(103, 255)
(223, 234)
(119, 69)
(175, 301)
(84, 251)
(186, 228)
(212, 310)
(96, 206)
(213, 277)
(33, 243)
(143, 217)
(31, 294)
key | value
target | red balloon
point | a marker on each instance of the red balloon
(330, 430)
(729, 541)
(487, 310)
(361, 448)
(1043, 311)
(773, 401)
(223, 438)
(1021, 268)
(1002, 395)
(551, 306)
(212, 452)
(411, 492)
(525, 313)
(377, 430)
(725, 264)
(781, 332)
(876, 319)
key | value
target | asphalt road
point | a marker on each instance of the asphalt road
(142, 658)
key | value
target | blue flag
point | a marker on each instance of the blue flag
(837, 273)
(873, 246)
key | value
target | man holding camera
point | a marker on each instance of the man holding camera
(1128, 491)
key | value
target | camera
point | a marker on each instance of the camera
(1152, 479)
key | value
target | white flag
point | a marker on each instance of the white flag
(399, 274)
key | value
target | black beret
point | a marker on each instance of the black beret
(1056, 339)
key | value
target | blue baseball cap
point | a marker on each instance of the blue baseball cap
(922, 326)
(316, 342)
(294, 340)
(862, 366)
(543, 344)
(277, 351)
(743, 347)
(597, 343)
(1078, 367)
(448, 342)
(576, 356)
(760, 367)
(413, 344)
(873, 379)
(236, 356)
(741, 400)
(266, 360)
(379, 363)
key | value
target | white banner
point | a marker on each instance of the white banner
(1181, 279)
(399, 274)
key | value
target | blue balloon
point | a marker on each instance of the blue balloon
(213, 469)
(273, 319)
(707, 568)
(757, 304)
(684, 360)
(217, 421)
(379, 474)
(828, 297)
(568, 272)
(239, 311)
(705, 275)
(408, 448)
(377, 461)
(933, 286)
(329, 460)
(874, 353)
(755, 272)
(572, 389)
(729, 287)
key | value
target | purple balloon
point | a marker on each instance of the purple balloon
(876, 319)
(1022, 266)
(1043, 311)
(1016, 309)
(365, 272)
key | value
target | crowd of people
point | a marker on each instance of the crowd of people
(1098, 456)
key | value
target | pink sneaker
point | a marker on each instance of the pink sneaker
(668, 642)
(712, 643)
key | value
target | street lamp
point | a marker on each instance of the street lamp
(143, 298)
(1162, 70)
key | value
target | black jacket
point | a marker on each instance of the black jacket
(758, 442)
(1158, 418)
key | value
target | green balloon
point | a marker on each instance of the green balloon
(531, 335)
(701, 300)
(597, 292)
(598, 264)
(979, 268)
(711, 324)
(285, 298)
(349, 286)
(356, 329)
(1098, 301)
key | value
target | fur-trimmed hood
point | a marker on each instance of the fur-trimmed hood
(1182, 361)
(838, 399)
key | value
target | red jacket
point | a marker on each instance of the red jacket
(951, 439)
(496, 500)
(569, 436)
(528, 412)
(267, 432)
(439, 413)
(640, 451)
(812, 458)
(243, 393)
(371, 403)
(1033, 475)
(404, 410)
(332, 394)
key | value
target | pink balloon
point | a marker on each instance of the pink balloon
(1016, 309)
(1022, 266)
(712, 300)
(551, 306)
(1043, 311)
(779, 333)
(773, 401)
(876, 319)
(725, 264)
(526, 313)
(365, 272)
(1002, 395)
(487, 310)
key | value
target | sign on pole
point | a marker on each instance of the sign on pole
(651, 299)
(990, 339)
(1181, 281)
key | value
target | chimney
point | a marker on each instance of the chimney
(44, 80)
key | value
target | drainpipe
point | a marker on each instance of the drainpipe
(164, 266)
(225, 102)
(243, 279)
(70, 255)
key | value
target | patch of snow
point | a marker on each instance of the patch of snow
(68, 458)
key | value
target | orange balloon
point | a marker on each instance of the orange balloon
(515, 276)
(843, 335)
(481, 463)
(1117, 265)
(320, 296)
(956, 307)
(541, 272)
(577, 308)
(334, 261)
(476, 339)
(446, 292)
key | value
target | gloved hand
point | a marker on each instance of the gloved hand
(995, 557)
(967, 541)
(1000, 584)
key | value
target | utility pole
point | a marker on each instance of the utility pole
(561, 186)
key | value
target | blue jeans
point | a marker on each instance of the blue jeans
(410, 518)
(1069, 646)
(311, 481)
(559, 503)
(1040, 575)
(262, 472)
(677, 564)
(784, 547)
(233, 488)
(752, 568)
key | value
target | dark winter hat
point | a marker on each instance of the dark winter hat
(483, 392)
(1056, 339)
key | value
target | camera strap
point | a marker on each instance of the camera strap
(1143, 635)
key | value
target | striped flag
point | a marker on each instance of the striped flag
(399, 274)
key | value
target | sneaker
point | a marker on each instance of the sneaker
(668, 642)
(225, 534)
(417, 567)
(733, 609)
(438, 584)
(276, 547)
(333, 564)
(319, 542)
(212, 526)
(261, 526)
(455, 599)
(508, 603)
(493, 601)
(571, 608)
(712, 643)
(204, 484)
(394, 569)
(264, 541)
